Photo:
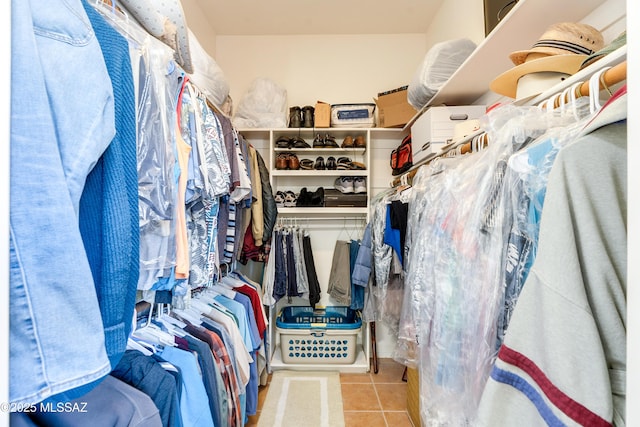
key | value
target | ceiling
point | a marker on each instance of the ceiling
(305, 17)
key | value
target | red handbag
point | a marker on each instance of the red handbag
(401, 157)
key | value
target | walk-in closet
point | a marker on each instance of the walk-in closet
(336, 214)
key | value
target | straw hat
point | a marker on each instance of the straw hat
(561, 49)
(561, 39)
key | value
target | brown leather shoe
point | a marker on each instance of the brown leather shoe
(347, 142)
(360, 142)
(282, 161)
(293, 162)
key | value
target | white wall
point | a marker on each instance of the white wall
(200, 26)
(457, 19)
(332, 68)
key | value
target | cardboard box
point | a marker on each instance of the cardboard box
(322, 115)
(393, 108)
(436, 127)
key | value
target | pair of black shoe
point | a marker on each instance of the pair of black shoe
(330, 164)
(301, 117)
(293, 142)
(308, 199)
(326, 141)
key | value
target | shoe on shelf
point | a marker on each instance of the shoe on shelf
(290, 199)
(344, 184)
(279, 198)
(358, 166)
(317, 198)
(283, 142)
(330, 141)
(295, 117)
(359, 184)
(318, 141)
(319, 165)
(297, 142)
(360, 142)
(306, 164)
(282, 161)
(304, 198)
(344, 163)
(348, 142)
(307, 116)
(331, 163)
(293, 162)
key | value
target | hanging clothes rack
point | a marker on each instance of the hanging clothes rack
(609, 78)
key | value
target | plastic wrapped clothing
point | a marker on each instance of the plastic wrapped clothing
(263, 106)
(383, 300)
(406, 349)
(563, 361)
(525, 186)
(382, 254)
(362, 267)
(455, 269)
(207, 74)
(158, 84)
(440, 62)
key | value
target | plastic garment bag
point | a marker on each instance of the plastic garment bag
(156, 79)
(524, 192)
(454, 268)
(382, 255)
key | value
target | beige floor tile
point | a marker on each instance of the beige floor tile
(389, 371)
(364, 419)
(354, 378)
(359, 397)
(398, 419)
(392, 396)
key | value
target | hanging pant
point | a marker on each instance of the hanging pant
(340, 277)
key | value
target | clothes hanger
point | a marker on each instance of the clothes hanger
(594, 90)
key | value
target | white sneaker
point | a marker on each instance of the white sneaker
(344, 184)
(359, 184)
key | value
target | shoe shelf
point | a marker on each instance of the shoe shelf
(287, 180)
(355, 151)
(323, 211)
(310, 172)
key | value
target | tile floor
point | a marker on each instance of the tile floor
(371, 400)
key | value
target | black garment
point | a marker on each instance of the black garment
(146, 374)
(312, 277)
(399, 215)
(269, 207)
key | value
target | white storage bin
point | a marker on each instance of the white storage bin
(436, 127)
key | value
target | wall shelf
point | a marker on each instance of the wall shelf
(520, 29)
